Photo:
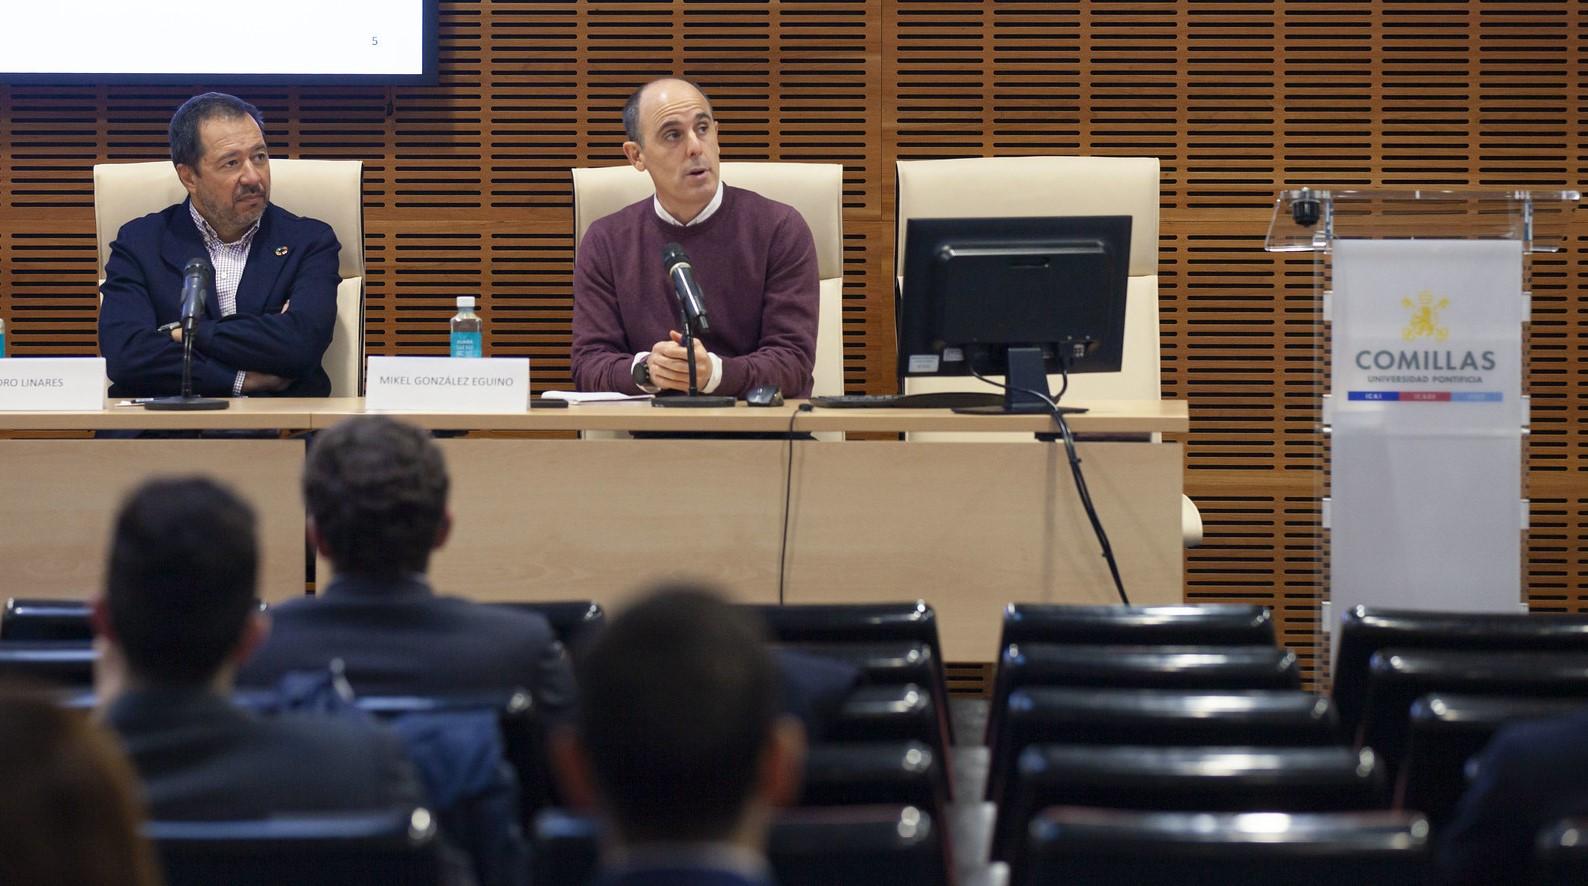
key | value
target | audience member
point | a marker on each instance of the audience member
(678, 745)
(754, 258)
(376, 491)
(177, 617)
(69, 811)
(274, 302)
(1531, 775)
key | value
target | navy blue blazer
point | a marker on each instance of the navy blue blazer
(401, 637)
(292, 259)
(201, 757)
(1531, 775)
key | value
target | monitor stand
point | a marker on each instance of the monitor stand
(1025, 373)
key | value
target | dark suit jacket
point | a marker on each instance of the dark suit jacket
(202, 758)
(1531, 775)
(402, 638)
(292, 259)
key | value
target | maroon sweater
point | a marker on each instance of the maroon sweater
(755, 262)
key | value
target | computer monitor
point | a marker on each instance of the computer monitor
(1018, 297)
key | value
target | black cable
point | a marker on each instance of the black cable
(1081, 491)
(788, 487)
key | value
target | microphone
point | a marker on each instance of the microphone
(198, 278)
(682, 274)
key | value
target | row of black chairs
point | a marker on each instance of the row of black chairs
(1416, 695)
(1416, 707)
(874, 846)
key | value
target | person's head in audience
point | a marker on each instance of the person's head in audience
(671, 133)
(69, 808)
(180, 581)
(678, 737)
(218, 148)
(376, 491)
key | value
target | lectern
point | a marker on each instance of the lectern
(1422, 300)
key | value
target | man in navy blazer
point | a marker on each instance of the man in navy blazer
(176, 618)
(274, 309)
(376, 491)
(679, 746)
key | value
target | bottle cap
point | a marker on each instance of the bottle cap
(465, 301)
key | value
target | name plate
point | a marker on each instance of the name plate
(443, 384)
(52, 384)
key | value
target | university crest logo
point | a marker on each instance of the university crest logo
(1424, 320)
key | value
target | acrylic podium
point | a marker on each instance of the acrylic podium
(1421, 304)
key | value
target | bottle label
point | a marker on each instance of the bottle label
(467, 344)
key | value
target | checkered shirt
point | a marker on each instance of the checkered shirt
(229, 260)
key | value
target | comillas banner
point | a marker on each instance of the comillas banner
(1426, 414)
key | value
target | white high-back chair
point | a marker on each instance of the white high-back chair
(329, 190)
(815, 189)
(992, 187)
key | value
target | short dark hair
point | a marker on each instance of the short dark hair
(677, 701)
(631, 108)
(187, 148)
(181, 578)
(377, 490)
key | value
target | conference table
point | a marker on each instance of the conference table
(967, 524)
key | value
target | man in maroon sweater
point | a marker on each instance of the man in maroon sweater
(754, 259)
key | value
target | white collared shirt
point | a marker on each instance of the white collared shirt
(711, 209)
(229, 260)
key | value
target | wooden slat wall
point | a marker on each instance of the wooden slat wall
(468, 191)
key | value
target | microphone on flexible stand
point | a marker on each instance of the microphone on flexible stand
(198, 281)
(692, 311)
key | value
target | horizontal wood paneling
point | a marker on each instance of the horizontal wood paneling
(467, 189)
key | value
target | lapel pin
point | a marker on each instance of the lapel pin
(281, 250)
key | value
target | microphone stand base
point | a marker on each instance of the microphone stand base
(185, 404)
(697, 401)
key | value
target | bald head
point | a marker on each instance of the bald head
(661, 88)
(672, 136)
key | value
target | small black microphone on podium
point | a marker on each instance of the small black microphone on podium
(682, 273)
(692, 311)
(198, 281)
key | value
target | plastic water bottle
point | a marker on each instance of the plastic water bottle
(467, 340)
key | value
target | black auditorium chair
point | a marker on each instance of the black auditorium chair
(880, 664)
(897, 773)
(26, 619)
(397, 847)
(523, 734)
(1158, 717)
(1183, 779)
(1364, 631)
(1138, 667)
(63, 663)
(851, 623)
(570, 619)
(1214, 624)
(1446, 731)
(1106, 847)
(877, 774)
(1397, 677)
(893, 714)
(861, 845)
(1560, 855)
